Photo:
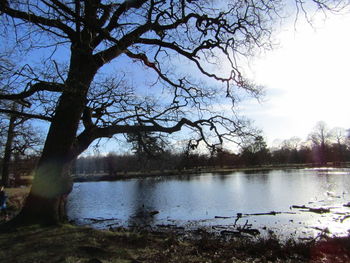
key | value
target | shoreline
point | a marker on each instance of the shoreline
(186, 172)
(125, 175)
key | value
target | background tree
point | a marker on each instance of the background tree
(255, 152)
(291, 147)
(223, 157)
(320, 138)
(85, 37)
(21, 139)
(339, 140)
(146, 143)
(18, 135)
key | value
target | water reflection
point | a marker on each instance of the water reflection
(200, 198)
(144, 203)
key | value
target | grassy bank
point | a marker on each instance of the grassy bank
(78, 244)
(70, 244)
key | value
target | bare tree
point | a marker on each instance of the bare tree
(338, 135)
(21, 138)
(292, 144)
(92, 34)
(339, 140)
(255, 151)
(18, 134)
(320, 138)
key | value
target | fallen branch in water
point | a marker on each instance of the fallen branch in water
(271, 213)
(239, 230)
(299, 207)
(320, 210)
(247, 228)
(240, 215)
(98, 220)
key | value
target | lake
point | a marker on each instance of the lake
(221, 201)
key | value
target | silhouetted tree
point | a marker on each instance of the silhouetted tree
(291, 147)
(111, 163)
(255, 152)
(338, 136)
(90, 35)
(222, 157)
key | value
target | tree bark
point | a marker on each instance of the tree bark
(52, 183)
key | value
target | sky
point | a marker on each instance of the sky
(306, 80)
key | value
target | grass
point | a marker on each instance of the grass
(61, 244)
(69, 243)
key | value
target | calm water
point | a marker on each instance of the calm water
(195, 201)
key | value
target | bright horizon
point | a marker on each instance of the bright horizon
(305, 79)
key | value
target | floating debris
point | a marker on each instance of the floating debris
(271, 213)
(320, 210)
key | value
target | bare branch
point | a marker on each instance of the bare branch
(39, 86)
(113, 21)
(26, 115)
(35, 19)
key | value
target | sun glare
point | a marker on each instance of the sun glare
(306, 79)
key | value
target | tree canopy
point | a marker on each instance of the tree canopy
(154, 33)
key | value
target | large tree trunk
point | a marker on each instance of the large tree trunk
(52, 183)
(47, 197)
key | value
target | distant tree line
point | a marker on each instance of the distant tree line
(323, 146)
